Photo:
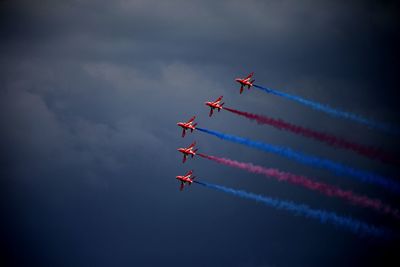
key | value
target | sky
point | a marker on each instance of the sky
(90, 95)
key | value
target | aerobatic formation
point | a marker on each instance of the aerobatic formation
(330, 190)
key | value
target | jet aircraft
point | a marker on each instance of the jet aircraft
(245, 82)
(188, 151)
(185, 179)
(214, 105)
(187, 125)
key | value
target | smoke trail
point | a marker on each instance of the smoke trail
(355, 226)
(320, 136)
(326, 189)
(336, 168)
(334, 112)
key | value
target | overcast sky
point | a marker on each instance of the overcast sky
(90, 93)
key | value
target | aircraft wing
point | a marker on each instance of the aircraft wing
(192, 145)
(250, 75)
(192, 119)
(218, 99)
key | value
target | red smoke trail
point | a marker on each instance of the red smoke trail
(370, 152)
(326, 189)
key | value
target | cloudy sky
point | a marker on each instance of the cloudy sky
(90, 93)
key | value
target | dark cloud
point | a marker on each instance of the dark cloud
(89, 100)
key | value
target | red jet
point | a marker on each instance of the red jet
(187, 178)
(188, 151)
(187, 126)
(245, 82)
(215, 105)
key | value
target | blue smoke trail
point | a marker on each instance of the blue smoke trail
(350, 224)
(337, 168)
(334, 112)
